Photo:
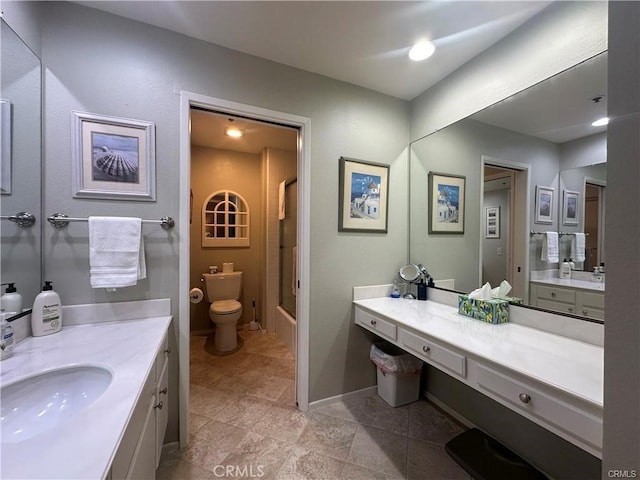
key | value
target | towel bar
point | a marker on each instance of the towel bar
(22, 219)
(60, 220)
(532, 232)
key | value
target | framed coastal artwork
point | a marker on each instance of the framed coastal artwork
(363, 196)
(544, 204)
(113, 158)
(446, 203)
(570, 207)
(492, 222)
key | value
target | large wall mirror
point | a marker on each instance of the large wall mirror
(21, 94)
(537, 146)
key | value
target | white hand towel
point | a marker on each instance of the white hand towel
(577, 247)
(116, 252)
(550, 250)
(281, 199)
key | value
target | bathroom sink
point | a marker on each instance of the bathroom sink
(41, 402)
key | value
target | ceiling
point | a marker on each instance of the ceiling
(360, 42)
(207, 130)
(366, 43)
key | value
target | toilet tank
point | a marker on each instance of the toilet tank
(223, 286)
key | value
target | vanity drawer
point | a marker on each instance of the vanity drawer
(554, 411)
(593, 300)
(556, 306)
(556, 294)
(433, 353)
(376, 324)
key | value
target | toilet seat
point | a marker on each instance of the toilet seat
(225, 307)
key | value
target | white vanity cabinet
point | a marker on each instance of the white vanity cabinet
(568, 300)
(553, 381)
(139, 452)
(545, 406)
(376, 324)
(433, 353)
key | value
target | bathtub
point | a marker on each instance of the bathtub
(286, 329)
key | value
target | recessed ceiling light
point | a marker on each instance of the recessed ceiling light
(233, 132)
(600, 122)
(421, 50)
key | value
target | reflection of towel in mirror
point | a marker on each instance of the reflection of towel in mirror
(550, 251)
(577, 247)
(116, 252)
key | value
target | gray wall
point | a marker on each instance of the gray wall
(104, 64)
(622, 328)
(584, 151)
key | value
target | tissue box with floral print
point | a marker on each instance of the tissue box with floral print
(490, 311)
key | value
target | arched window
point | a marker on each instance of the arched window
(225, 220)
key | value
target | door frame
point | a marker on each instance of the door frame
(520, 224)
(303, 124)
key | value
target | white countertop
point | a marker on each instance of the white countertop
(84, 445)
(571, 366)
(572, 283)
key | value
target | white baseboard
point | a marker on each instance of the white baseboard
(450, 411)
(343, 396)
(171, 447)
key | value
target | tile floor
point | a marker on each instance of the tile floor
(244, 424)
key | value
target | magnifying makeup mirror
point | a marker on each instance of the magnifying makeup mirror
(410, 273)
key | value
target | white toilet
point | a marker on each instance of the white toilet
(223, 292)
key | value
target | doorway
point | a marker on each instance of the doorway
(258, 118)
(594, 207)
(504, 238)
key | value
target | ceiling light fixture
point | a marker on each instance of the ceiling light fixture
(601, 122)
(233, 132)
(421, 50)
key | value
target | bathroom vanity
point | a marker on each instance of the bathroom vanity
(554, 381)
(575, 296)
(120, 433)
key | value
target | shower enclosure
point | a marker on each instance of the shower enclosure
(288, 234)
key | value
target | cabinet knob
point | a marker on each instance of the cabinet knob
(373, 323)
(159, 406)
(524, 397)
(553, 294)
(164, 391)
(167, 350)
(426, 348)
(585, 312)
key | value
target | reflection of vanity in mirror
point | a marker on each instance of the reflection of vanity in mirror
(20, 89)
(541, 137)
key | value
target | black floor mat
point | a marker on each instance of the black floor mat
(484, 458)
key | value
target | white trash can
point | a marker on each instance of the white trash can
(398, 374)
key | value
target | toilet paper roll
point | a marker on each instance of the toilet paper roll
(227, 267)
(195, 295)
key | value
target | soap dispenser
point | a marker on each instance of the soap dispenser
(46, 317)
(565, 270)
(6, 336)
(11, 300)
(395, 291)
